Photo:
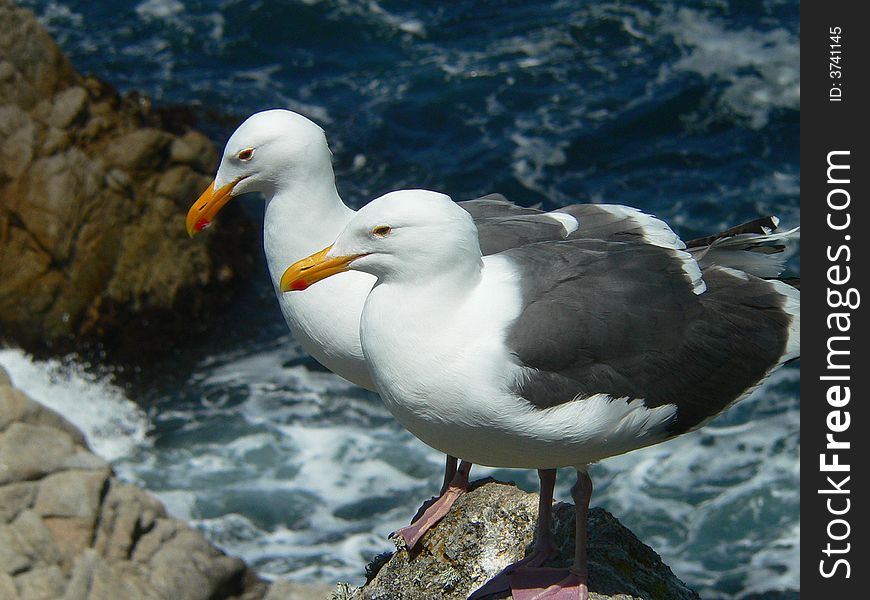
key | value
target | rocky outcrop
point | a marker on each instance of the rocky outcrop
(70, 530)
(94, 188)
(492, 526)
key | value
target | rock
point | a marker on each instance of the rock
(288, 590)
(69, 107)
(94, 188)
(69, 529)
(46, 583)
(7, 587)
(29, 452)
(491, 527)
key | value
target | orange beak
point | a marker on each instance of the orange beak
(312, 269)
(208, 206)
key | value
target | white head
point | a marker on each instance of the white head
(271, 150)
(405, 236)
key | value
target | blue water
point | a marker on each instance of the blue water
(687, 110)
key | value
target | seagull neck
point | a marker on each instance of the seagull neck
(447, 290)
(303, 218)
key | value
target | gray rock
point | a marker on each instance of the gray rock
(29, 452)
(29, 545)
(7, 587)
(127, 514)
(289, 590)
(69, 529)
(45, 583)
(15, 406)
(72, 493)
(492, 526)
(15, 498)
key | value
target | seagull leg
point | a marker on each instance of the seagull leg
(557, 584)
(449, 473)
(544, 547)
(458, 486)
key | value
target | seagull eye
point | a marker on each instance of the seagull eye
(382, 231)
(246, 154)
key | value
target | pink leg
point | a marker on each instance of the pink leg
(559, 584)
(545, 544)
(458, 486)
(450, 468)
(449, 474)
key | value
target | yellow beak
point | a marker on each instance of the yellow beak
(208, 206)
(312, 269)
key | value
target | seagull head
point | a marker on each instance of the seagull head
(406, 236)
(271, 149)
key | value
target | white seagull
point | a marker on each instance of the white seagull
(552, 354)
(285, 156)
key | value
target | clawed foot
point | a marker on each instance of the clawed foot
(430, 517)
(422, 510)
(503, 579)
(549, 584)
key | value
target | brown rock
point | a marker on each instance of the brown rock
(40, 68)
(139, 149)
(18, 133)
(90, 184)
(69, 107)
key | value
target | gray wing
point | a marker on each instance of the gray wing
(502, 225)
(624, 319)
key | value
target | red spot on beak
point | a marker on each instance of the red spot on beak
(299, 285)
(200, 225)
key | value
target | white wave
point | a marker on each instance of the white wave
(732, 486)
(113, 425)
(372, 10)
(761, 68)
(159, 9)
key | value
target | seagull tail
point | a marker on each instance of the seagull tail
(754, 247)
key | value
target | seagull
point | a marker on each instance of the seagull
(285, 157)
(556, 353)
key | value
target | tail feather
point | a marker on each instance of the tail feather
(754, 247)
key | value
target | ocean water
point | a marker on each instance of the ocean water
(686, 110)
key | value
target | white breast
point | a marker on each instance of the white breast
(445, 373)
(325, 320)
